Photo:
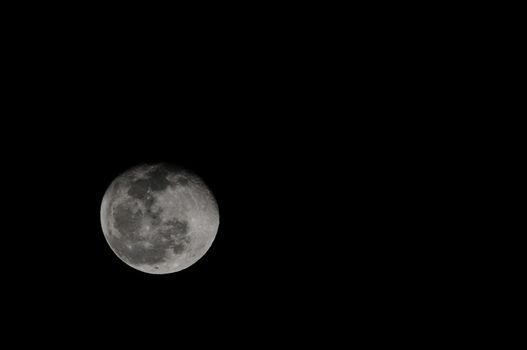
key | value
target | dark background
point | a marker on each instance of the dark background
(299, 196)
(321, 152)
(272, 163)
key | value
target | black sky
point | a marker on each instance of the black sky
(306, 165)
(269, 164)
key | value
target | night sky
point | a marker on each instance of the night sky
(312, 179)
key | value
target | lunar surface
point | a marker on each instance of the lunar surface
(158, 218)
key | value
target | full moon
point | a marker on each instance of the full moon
(159, 218)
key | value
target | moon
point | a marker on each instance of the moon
(159, 218)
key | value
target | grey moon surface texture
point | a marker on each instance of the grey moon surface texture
(158, 218)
